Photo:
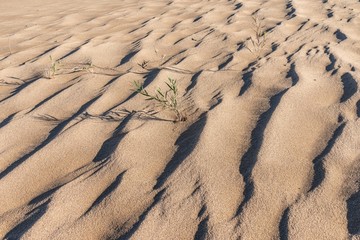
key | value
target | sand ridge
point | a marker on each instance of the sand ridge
(270, 148)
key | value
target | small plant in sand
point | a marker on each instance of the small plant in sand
(9, 46)
(88, 66)
(167, 99)
(259, 40)
(143, 64)
(53, 69)
(66, 68)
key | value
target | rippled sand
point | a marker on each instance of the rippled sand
(270, 148)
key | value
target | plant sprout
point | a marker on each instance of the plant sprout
(167, 99)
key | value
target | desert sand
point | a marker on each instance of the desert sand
(270, 148)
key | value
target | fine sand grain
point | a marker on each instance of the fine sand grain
(270, 148)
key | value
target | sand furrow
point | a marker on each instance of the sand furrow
(328, 201)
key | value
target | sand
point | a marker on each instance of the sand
(270, 148)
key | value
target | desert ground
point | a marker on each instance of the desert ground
(267, 145)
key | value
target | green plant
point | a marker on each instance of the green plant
(9, 46)
(53, 69)
(167, 99)
(87, 67)
(66, 68)
(259, 40)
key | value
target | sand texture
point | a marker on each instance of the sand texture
(269, 149)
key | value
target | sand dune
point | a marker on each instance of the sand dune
(270, 148)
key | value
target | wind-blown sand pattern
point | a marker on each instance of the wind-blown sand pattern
(270, 148)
